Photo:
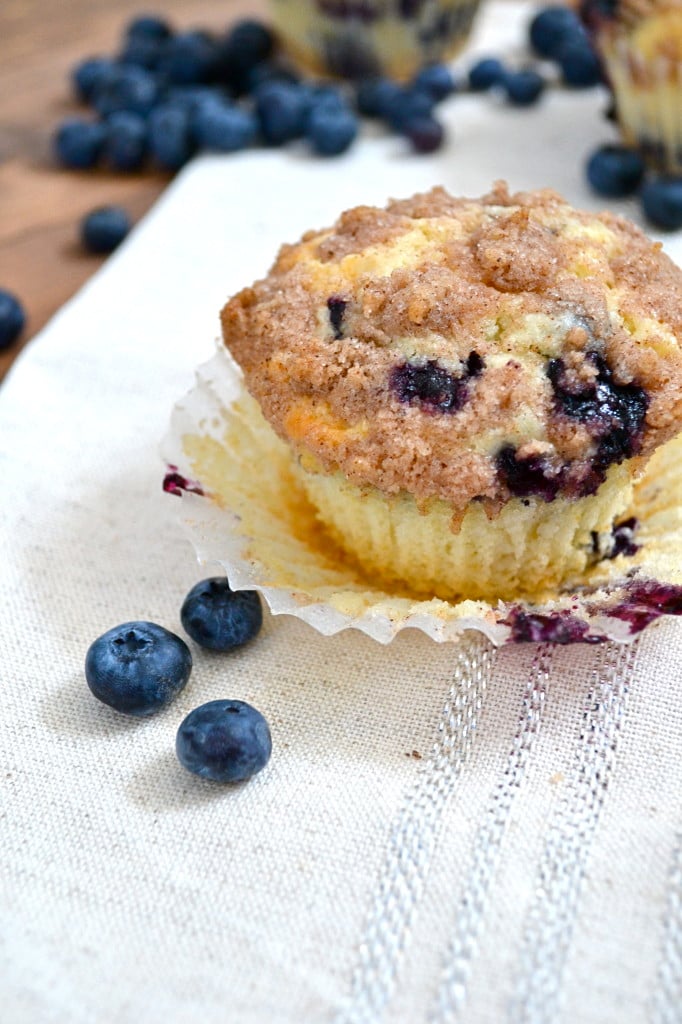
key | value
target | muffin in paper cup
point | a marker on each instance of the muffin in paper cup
(640, 43)
(361, 38)
(453, 414)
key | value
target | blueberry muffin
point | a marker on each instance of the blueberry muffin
(640, 43)
(358, 38)
(469, 388)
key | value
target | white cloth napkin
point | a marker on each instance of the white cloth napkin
(443, 833)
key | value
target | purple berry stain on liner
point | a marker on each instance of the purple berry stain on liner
(175, 483)
(337, 309)
(646, 601)
(434, 387)
(554, 628)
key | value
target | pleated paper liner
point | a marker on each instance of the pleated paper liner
(244, 509)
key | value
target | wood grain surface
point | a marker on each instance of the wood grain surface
(41, 204)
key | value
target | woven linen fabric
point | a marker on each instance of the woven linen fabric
(444, 833)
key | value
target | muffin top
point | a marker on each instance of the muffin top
(466, 349)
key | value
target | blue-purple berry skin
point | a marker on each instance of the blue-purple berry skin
(129, 88)
(437, 80)
(224, 741)
(524, 88)
(486, 74)
(661, 200)
(580, 67)
(149, 26)
(331, 130)
(170, 137)
(376, 96)
(426, 134)
(551, 27)
(12, 318)
(137, 668)
(432, 387)
(79, 144)
(281, 109)
(189, 58)
(125, 144)
(89, 74)
(102, 230)
(615, 171)
(223, 128)
(408, 105)
(219, 618)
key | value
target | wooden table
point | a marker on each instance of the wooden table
(40, 203)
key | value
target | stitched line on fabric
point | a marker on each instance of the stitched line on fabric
(551, 916)
(413, 839)
(452, 992)
(666, 1005)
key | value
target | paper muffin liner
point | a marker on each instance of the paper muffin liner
(244, 509)
(359, 38)
(648, 95)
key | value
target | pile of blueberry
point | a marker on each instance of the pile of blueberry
(616, 172)
(138, 668)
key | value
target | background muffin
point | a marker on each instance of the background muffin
(469, 386)
(640, 43)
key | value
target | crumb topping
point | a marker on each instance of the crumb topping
(467, 349)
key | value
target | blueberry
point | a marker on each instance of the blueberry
(170, 137)
(189, 58)
(523, 88)
(425, 133)
(148, 26)
(433, 387)
(662, 202)
(435, 79)
(281, 110)
(220, 618)
(223, 128)
(615, 171)
(375, 96)
(331, 130)
(268, 71)
(130, 88)
(90, 74)
(78, 143)
(125, 145)
(137, 668)
(248, 45)
(407, 105)
(486, 73)
(224, 740)
(528, 476)
(104, 228)
(141, 52)
(12, 318)
(580, 67)
(337, 311)
(550, 27)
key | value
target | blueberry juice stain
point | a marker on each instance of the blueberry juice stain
(433, 387)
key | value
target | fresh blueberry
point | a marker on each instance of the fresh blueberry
(375, 96)
(425, 133)
(486, 73)
(551, 27)
(189, 58)
(408, 105)
(435, 79)
(12, 318)
(579, 64)
(170, 136)
(223, 128)
(330, 129)
(90, 74)
(248, 45)
(220, 618)
(125, 145)
(268, 71)
(141, 52)
(131, 89)
(281, 110)
(224, 740)
(523, 88)
(148, 26)
(615, 171)
(662, 202)
(137, 668)
(78, 143)
(103, 229)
